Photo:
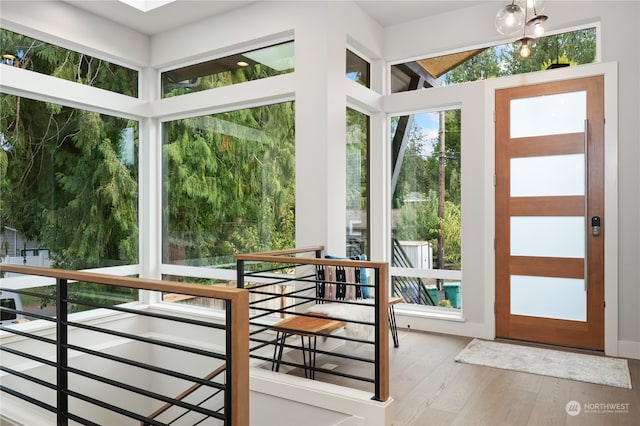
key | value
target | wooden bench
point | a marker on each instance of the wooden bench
(303, 326)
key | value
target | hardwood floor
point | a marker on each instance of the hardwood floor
(430, 388)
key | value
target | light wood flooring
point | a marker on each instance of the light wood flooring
(430, 388)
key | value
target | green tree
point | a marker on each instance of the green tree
(73, 179)
(70, 186)
(577, 47)
(574, 47)
(229, 183)
(451, 229)
(413, 178)
(482, 66)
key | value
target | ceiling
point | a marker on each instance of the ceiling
(182, 12)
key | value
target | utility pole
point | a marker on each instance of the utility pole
(441, 176)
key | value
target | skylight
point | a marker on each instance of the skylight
(146, 5)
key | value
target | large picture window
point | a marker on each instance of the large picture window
(69, 185)
(357, 183)
(229, 185)
(426, 208)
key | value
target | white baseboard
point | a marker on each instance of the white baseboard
(628, 349)
(457, 327)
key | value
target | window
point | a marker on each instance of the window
(554, 51)
(253, 65)
(358, 69)
(426, 209)
(73, 179)
(357, 183)
(34, 55)
(229, 185)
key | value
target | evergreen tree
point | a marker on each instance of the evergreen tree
(67, 183)
(229, 183)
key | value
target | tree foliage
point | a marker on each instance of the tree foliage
(229, 183)
(72, 174)
(67, 183)
(575, 48)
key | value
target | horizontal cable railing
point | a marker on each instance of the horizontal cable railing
(125, 361)
(323, 325)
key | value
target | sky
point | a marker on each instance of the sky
(428, 121)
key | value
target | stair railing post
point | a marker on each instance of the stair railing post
(62, 353)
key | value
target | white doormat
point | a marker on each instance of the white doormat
(547, 362)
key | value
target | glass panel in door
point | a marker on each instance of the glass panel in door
(542, 235)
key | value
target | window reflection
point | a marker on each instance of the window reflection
(252, 65)
(358, 69)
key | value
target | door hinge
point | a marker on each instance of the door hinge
(495, 179)
(605, 303)
(494, 308)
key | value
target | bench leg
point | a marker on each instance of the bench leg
(281, 336)
(304, 357)
(312, 357)
(278, 349)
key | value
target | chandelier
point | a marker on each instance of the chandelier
(525, 17)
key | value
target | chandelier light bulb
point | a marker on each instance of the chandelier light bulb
(510, 19)
(524, 45)
(536, 22)
(538, 29)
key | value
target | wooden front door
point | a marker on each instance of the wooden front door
(550, 213)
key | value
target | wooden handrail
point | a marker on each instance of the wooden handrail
(286, 251)
(260, 257)
(226, 293)
(186, 393)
